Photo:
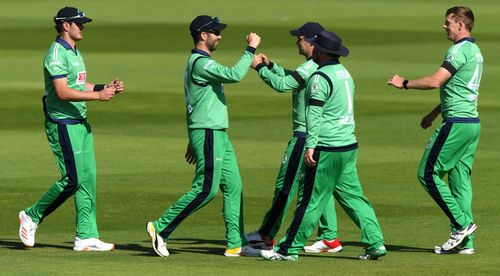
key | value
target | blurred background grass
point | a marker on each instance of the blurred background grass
(140, 136)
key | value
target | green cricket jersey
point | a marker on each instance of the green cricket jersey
(329, 107)
(62, 61)
(459, 94)
(204, 90)
(283, 80)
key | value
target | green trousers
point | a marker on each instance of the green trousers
(73, 148)
(289, 176)
(450, 152)
(216, 168)
(335, 173)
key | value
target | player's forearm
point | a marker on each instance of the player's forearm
(70, 94)
(425, 83)
(277, 82)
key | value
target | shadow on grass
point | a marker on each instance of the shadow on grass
(390, 248)
(17, 245)
(393, 247)
(201, 249)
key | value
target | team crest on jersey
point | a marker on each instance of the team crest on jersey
(81, 77)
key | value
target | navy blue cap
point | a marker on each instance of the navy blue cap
(330, 43)
(71, 14)
(206, 23)
(310, 29)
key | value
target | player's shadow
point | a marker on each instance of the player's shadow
(18, 245)
(200, 246)
(390, 248)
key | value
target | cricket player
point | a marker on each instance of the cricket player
(209, 145)
(69, 134)
(451, 149)
(289, 175)
(330, 156)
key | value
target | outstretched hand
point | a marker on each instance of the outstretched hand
(396, 81)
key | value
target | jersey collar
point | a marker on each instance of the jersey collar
(201, 52)
(65, 44)
(470, 39)
(330, 62)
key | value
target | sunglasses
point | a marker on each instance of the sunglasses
(213, 32)
(213, 21)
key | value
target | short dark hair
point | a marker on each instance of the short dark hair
(59, 27)
(463, 14)
(196, 37)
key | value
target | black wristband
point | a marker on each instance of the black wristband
(405, 84)
(99, 87)
(260, 66)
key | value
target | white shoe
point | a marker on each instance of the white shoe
(458, 236)
(159, 245)
(92, 244)
(246, 251)
(456, 250)
(27, 229)
(324, 246)
(272, 255)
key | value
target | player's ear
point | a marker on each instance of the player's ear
(66, 25)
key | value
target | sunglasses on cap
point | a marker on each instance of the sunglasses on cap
(213, 21)
(71, 18)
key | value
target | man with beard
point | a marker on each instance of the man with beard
(209, 145)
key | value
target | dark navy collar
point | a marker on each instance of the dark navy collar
(201, 52)
(330, 62)
(65, 44)
(470, 39)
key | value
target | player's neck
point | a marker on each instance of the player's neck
(203, 47)
(65, 36)
(461, 36)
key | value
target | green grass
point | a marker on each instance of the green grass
(141, 136)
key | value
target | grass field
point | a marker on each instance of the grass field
(140, 137)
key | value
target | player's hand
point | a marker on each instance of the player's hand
(253, 40)
(107, 93)
(256, 61)
(264, 59)
(396, 81)
(117, 84)
(308, 158)
(427, 120)
(190, 155)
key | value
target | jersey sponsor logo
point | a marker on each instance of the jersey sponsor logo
(346, 120)
(479, 58)
(81, 77)
(343, 74)
(55, 62)
(209, 63)
(472, 97)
